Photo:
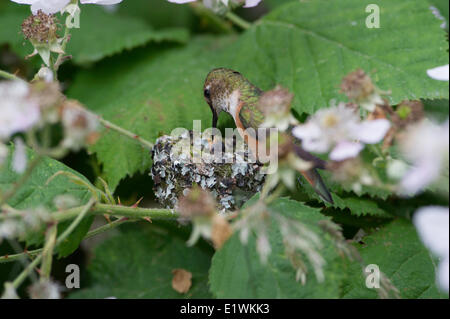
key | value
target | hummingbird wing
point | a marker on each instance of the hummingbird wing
(249, 116)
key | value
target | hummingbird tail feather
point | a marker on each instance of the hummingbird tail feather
(317, 183)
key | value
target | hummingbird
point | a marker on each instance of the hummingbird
(226, 90)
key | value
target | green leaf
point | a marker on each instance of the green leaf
(138, 263)
(236, 270)
(159, 13)
(272, 4)
(71, 243)
(35, 193)
(400, 255)
(436, 109)
(305, 46)
(11, 18)
(359, 206)
(103, 34)
(309, 46)
(442, 6)
(146, 93)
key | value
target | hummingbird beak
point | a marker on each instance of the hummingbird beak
(215, 116)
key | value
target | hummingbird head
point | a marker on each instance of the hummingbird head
(221, 91)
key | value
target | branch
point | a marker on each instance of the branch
(9, 76)
(238, 20)
(125, 132)
(92, 233)
(24, 274)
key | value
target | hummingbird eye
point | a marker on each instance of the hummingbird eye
(207, 94)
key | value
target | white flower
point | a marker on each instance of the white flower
(251, 3)
(79, 126)
(19, 160)
(340, 130)
(212, 3)
(45, 290)
(432, 224)
(47, 6)
(45, 74)
(426, 147)
(440, 73)
(18, 112)
(9, 292)
(53, 6)
(263, 247)
(439, 16)
(3, 153)
(101, 2)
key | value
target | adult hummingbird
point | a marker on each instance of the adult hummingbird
(227, 90)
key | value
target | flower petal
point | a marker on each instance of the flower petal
(19, 160)
(419, 176)
(371, 132)
(443, 274)
(251, 3)
(440, 73)
(181, 1)
(312, 138)
(345, 150)
(432, 224)
(101, 2)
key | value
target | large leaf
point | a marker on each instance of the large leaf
(35, 193)
(400, 255)
(103, 34)
(305, 46)
(138, 263)
(159, 13)
(236, 270)
(309, 46)
(147, 93)
(11, 18)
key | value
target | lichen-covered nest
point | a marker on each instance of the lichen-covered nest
(230, 182)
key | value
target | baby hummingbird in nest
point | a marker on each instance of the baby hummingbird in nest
(227, 90)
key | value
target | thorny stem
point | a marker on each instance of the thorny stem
(275, 194)
(101, 209)
(47, 253)
(85, 209)
(24, 274)
(118, 210)
(200, 9)
(60, 58)
(92, 233)
(238, 20)
(125, 132)
(9, 76)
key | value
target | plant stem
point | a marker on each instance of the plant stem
(75, 223)
(47, 253)
(238, 20)
(60, 58)
(125, 132)
(211, 18)
(276, 193)
(101, 209)
(24, 274)
(9, 76)
(92, 233)
(118, 210)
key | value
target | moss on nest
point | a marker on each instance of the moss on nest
(229, 181)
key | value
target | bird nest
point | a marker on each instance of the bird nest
(230, 178)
